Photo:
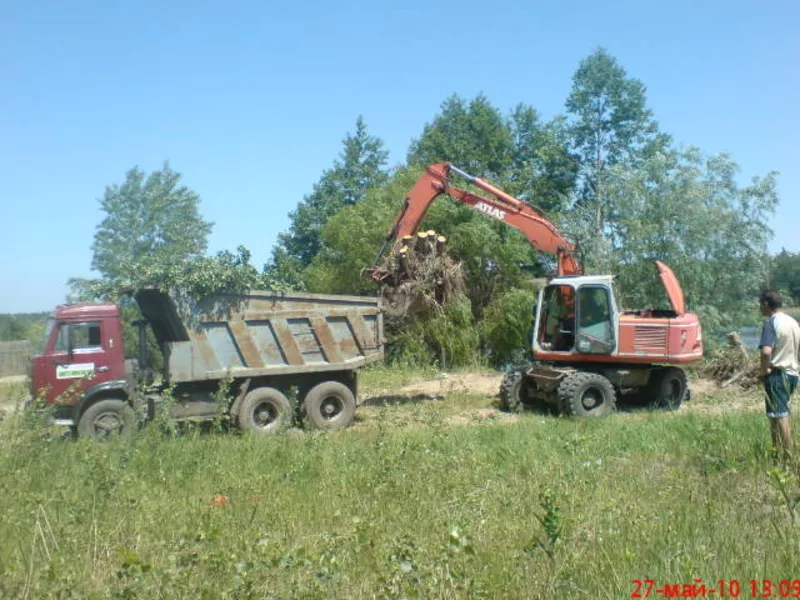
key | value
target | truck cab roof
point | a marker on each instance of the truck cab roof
(87, 310)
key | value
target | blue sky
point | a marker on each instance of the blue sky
(250, 100)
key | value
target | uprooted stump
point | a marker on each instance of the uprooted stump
(420, 276)
(733, 365)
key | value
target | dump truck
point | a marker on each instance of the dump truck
(281, 356)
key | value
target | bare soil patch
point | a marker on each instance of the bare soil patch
(706, 396)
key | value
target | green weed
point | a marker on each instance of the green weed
(405, 505)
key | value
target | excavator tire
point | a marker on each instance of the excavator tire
(583, 394)
(668, 389)
(512, 391)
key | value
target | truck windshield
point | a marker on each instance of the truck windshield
(48, 329)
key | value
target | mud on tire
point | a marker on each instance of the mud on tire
(584, 394)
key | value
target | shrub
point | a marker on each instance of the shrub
(507, 326)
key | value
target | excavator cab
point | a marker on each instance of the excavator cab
(576, 315)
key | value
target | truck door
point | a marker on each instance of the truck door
(79, 359)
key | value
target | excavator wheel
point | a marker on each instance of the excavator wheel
(512, 391)
(668, 388)
(584, 394)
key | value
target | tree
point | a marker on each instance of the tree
(785, 274)
(12, 328)
(360, 167)
(610, 125)
(153, 234)
(542, 170)
(150, 223)
(472, 136)
(687, 210)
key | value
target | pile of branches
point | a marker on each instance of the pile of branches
(734, 364)
(419, 276)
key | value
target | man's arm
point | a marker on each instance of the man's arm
(766, 357)
(768, 338)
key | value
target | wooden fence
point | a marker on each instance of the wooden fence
(14, 357)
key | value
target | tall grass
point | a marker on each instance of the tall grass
(403, 505)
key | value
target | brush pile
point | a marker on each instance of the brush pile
(733, 365)
(419, 276)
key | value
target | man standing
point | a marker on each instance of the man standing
(780, 363)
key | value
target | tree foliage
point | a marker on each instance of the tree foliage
(472, 135)
(23, 326)
(528, 158)
(542, 170)
(446, 337)
(507, 326)
(151, 222)
(687, 210)
(361, 166)
(152, 234)
(785, 275)
(610, 125)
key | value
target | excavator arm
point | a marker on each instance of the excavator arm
(541, 233)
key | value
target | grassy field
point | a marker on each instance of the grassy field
(409, 503)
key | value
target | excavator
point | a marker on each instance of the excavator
(587, 350)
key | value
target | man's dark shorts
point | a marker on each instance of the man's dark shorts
(779, 387)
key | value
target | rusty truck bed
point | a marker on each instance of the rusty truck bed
(263, 333)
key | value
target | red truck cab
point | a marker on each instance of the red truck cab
(83, 360)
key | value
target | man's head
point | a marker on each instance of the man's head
(770, 301)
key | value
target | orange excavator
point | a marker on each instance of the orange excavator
(587, 350)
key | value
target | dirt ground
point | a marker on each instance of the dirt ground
(448, 384)
(706, 397)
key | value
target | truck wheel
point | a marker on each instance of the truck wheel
(264, 411)
(668, 388)
(330, 405)
(512, 391)
(106, 419)
(584, 394)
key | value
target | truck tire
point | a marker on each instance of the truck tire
(583, 394)
(330, 405)
(264, 411)
(106, 419)
(668, 388)
(512, 391)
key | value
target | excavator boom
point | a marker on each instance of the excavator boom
(541, 233)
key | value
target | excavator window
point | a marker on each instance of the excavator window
(557, 333)
(595, 325)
